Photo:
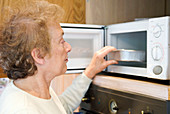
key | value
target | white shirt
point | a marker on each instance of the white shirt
(16, 101)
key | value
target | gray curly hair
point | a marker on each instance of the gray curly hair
(24, 30)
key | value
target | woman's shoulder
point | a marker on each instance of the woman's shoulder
(10, 95)
(13, 100)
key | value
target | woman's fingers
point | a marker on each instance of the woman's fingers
(110, 62)
(98, 63)
(103, 52)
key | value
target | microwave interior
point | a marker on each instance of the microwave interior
(81, 48)
(130, 41)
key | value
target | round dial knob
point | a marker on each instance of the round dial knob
(157, 53)
(113, 107)
(157, 31)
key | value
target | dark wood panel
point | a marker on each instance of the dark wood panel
(168, 7)
(117, 11)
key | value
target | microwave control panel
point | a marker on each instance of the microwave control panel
(158, 47)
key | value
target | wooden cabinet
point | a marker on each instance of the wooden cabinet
(2, 75)
(117, 11)
(60, 83)
(74, 9)
(167, 7)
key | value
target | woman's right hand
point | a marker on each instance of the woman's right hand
(98, 63)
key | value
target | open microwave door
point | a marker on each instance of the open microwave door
(85, 41)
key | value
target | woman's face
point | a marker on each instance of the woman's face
(59, 50)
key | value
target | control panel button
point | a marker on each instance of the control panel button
(147, 111)
(113, 107)
(157, 70)
(156, 53)
(157, 31)
(87, 100)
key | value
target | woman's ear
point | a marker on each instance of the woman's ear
(36, 55)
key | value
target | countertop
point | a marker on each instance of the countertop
(145, 88)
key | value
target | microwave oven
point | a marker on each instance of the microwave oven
(149, 35)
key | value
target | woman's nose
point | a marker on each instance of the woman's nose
(68, 47)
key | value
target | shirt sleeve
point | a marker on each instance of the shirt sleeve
(72, 96)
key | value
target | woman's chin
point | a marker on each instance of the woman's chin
(64, 70)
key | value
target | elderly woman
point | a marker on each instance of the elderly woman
(32, 53)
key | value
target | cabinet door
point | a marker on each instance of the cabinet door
(117, 11)
(168, 7)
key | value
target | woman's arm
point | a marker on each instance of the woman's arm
(71, 98)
